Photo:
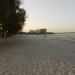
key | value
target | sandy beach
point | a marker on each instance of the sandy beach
(37, 55)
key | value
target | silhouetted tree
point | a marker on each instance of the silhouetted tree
(12, 17)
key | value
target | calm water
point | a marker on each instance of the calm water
(64, 36)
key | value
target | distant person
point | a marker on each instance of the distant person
(45, 36)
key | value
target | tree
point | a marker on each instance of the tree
(12, 17)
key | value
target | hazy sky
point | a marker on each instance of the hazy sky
(55, 15)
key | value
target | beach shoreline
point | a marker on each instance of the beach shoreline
(36, 55)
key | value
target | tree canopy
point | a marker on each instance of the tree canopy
(12, 17)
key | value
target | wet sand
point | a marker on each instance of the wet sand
(36, 55)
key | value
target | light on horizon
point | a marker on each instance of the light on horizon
(54, 15)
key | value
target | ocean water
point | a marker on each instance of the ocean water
(63, 36)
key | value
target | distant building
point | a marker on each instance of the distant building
(43, 31)
(32, 31)
(38, 31)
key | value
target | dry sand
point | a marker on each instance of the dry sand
(36, 55)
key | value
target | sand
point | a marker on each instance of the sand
(36, 55)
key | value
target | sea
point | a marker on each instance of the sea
(65, 36)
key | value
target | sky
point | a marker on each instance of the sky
(54, 15)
